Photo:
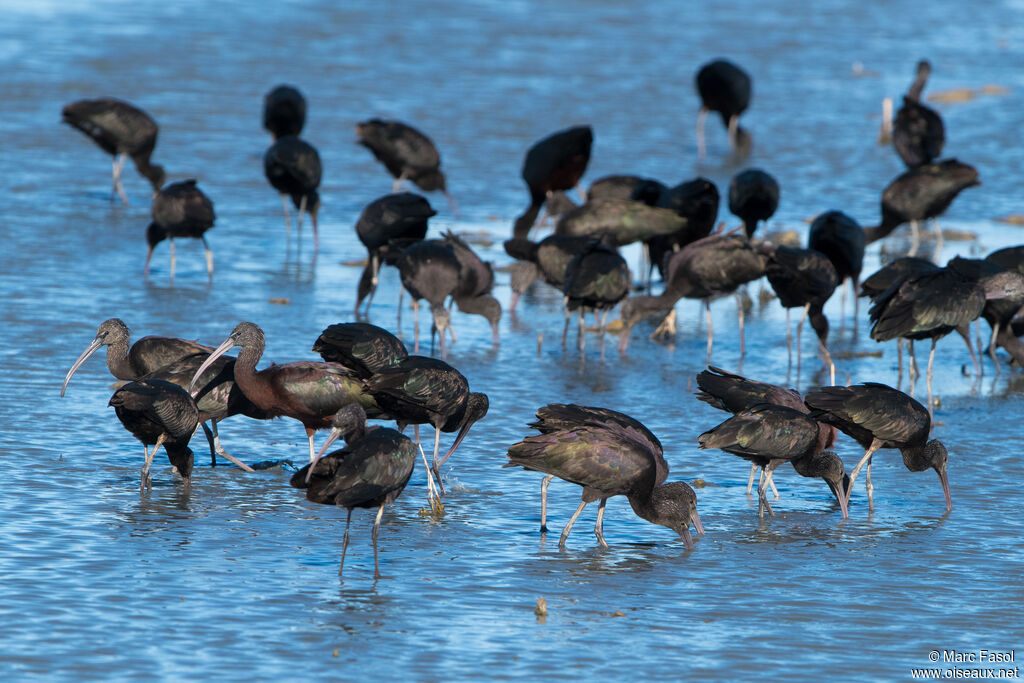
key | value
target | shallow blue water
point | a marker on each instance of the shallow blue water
(237, 578)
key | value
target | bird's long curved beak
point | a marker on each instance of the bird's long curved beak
(331, 438)
(217, 353)
(944, 479)
(840, 496)
(687, 538)
(695, 518)
(458, 439)
(89, 350)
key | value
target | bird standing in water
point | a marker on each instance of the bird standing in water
(293, 168)
(407, 153)
(918, 133)
(555, 163)
(121, 130)
(180, 210)
(724, 88)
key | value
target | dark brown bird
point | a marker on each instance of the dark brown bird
(430, 270)
(878, 416)
(608, 454)
(420, 390)
(122, 131)
(842, 240)
(597, 279)
(386, 226)
(371, 471)
(753, 197)
(407, 153)
(724, 88)
(769, 435)
(476, 280)
(308, 391)
(293, 168)
(284, 111)
(920, 193)
(697, 202)
(555, 163)
(361, 347)
(734, 393)
(159, 413)
(918, 133)
(706, 269)
(180, 210)
(545, 260)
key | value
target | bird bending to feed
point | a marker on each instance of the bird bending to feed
(122, 131)
(608, 454)
(284, 111)
(546, 260)
(918, 133)
(878, 416)
(769, 435)
(724, 88)
(753, 197)
(180, 210)
(918, 194)
(597, 278)
(420, 390)
(292, 167)
(308, 391)
(430, 270)
(734, 393)
(386, 226)
(555, 163)
(407, 153)
(159, 413)
(842, 240)
(371, 471)
(476, 281)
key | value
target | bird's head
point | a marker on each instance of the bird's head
(246, 335)
(112, 332)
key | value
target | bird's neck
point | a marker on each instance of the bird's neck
(249, 381)
(118, 362)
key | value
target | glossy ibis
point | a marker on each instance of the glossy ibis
(385, 226)
(371, 471)
(734, 393)
(476, 280)
(361, 347)
(634, 187)
(920, 193)
(284, 111)
(180, 210)
(292, 167)
(546, 260)
(597, 278)
(608, 454)
(706, 269)
(122, 131)
(430, 270)
(555, 163)
(407, 153)
(769, 435)
(842, 240)
(159, 413)
(618, 222)
(696, 201)
(918, 133)
(753, 197)
(420, 390)
(1007, 289)
(308, 391)
(724, 88)
(878, 416)
(804, 278)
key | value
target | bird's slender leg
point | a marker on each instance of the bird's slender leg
(568, 525)
(298, 220)
(316, 229)
(174, 259)
(209, 258)
(915, 238)
(436, 466)
(750, 479)
(789, 342)
(763, 499)
(899, 355)
(147, 480)
(565, 328)
(829, 363)
(965, 332)
(545, 482)
(118, 189)
(398, 181)
(309, 435)
(581, 333)
(604, 320)
(701, 116)
(869, 487)
(734, 122)
(914, 371)
(940, 241)
(344, 543)
(211, 440)
(799, 333)
(219, 448)
(711, 336)
(287, 219)
(992, 347)
(875, 445)
(373, 535)
(931, 361)
(145, 468)
(739, 307)
(771, 484)
(416, 325)
(599, 525)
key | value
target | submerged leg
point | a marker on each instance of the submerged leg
(118, 189)
(869, 486)
(174, 259)
(219, 448)
(287, 219)
(376, 530)
(599, 524)
(750, 479)
(209, 258)
(875, 445)
(701, 116)
(568, 526)
(436, 467)
(344, 543)
(545, 482)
